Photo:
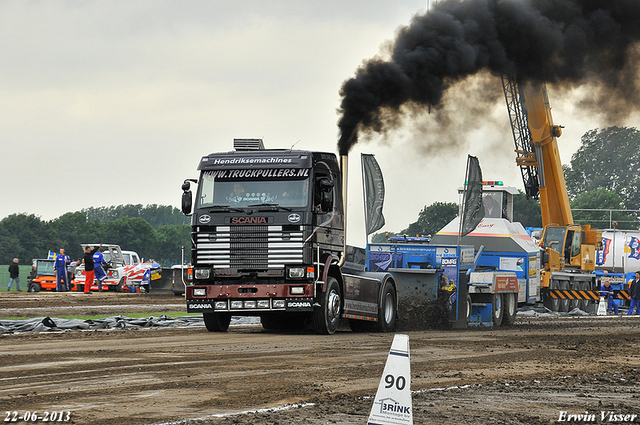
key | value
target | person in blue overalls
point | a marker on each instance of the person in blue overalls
(99, 267)
(60, 267)
(607, 291)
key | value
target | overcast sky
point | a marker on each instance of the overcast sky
(114, 102)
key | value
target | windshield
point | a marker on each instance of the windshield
(243, 193)
(554, 238)
(45, 268)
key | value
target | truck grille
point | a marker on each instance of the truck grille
(250, 247)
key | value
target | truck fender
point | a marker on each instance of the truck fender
(382, 277)
(327, 270)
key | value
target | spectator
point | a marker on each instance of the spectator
(634, 294)
(607, 291)
(89, 274)
(60, 267)
(99, 267)
(14, 272)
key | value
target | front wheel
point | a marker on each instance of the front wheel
(34, 287)
(326, 316)
(217, 322)
(552, 304)
(387, 313)
(498, 309)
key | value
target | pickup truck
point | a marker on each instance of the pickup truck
(125, 271)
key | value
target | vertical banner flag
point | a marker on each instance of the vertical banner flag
(601, 255)
(634, 244)
(472, 206)
(373, 193)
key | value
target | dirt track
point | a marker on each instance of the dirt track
(527, 374)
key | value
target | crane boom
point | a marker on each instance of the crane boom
(535, 137)
(554, 199)
(568, 247)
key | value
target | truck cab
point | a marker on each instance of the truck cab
(268, 240)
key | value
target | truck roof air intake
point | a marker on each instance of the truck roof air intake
(248, 144)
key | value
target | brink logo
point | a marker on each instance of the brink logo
(389, 405)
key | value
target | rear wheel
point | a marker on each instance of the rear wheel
(326, 316)
(468, 314)
(387, 313)
(217, 322)
(498, 309)
(510, 309)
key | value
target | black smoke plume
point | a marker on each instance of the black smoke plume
(563, 42)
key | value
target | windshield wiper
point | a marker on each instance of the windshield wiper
(225, 208)
(275, 206)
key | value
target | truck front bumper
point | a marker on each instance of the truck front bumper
(250, 299)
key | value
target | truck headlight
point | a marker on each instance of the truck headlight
(221, 305)
(114, 274)
(297, 272)
(278, 303)
(249, 304)
(263, 303)
(199, 292)
(236, 304)
(203, 273)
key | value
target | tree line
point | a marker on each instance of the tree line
(154, 231)
(602, 175)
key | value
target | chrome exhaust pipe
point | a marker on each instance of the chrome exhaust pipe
(344, 166)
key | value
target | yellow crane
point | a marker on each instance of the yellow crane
(568, 262)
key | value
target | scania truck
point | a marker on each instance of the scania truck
(268, 240)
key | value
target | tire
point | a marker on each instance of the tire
(468, 312)
(326, 316)
(575, 286)
(497, 307)
(590, 306)
(552, 304)
(387, 313)
(510, 309)
(583, 304)
(564, 303)
(34, 287)
(217, 322)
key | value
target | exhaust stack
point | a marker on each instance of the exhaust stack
(344, 166)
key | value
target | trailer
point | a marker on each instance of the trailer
(443, 284)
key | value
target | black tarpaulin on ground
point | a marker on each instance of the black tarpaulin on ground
(40, 324)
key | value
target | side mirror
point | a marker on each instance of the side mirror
(326, 185)
(187, 202)
(186, 185)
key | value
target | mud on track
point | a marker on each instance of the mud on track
(526, 374)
